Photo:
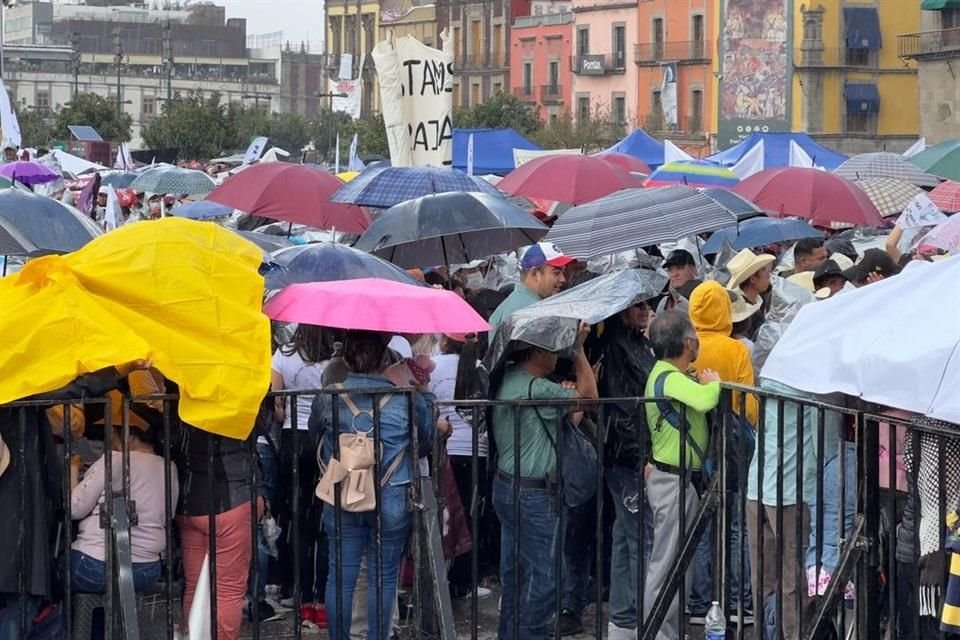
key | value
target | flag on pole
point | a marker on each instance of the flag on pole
(8, 119)
(336, 162)
(470, 155)
(354, 163)
(124, 160)
(113, 215)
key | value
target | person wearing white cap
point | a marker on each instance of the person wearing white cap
(9, 152)
(541, 276)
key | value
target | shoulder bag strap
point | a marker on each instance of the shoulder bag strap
(669, 414)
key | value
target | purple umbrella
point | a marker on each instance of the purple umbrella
(29, 173)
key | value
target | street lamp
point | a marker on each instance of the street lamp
(331, 95)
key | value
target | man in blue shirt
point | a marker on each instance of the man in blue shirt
(541, 276)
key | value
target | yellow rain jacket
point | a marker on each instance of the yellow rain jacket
(711, 316)
(184, 294)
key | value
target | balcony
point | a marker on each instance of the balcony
(653, 53)
(930, 45)
(599, 64)
(551, 94)
(814, 56)
(526, 94)
(480, 61)
(655, 124)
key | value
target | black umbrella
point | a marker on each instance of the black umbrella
(449, 228)
(33, 225)
(328, 261)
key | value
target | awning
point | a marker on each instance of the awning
(862, 98)
(861, 28)
(938, 5)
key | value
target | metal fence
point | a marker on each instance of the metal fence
(811, 523)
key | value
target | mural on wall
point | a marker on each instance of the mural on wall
(755, 87)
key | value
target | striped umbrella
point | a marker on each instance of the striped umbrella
(173, 180)
(883, 164)
(634, 218)
(693, 173)
(891, 196)
(947, 196)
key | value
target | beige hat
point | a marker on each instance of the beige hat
(805, 279)
(741, 308)
(4, 456)
(745, 264)
(842, 261)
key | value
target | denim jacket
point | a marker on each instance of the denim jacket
(394, 423)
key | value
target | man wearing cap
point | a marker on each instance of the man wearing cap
(541, 276)
(682, 271)
(829, 276)
(9, 152)
(875, 265)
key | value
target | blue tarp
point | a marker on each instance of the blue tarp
(861, 27)
(862, 98)
(642, 145)
(776, 151)
(492, 149)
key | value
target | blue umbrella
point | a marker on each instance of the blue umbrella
(121, 180)
(384, 187)
(35, 225)
(329, 261)
(202, 210)
(757, 232)
(734, 203)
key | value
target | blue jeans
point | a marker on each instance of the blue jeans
(532, 575)
(701, 591)
(624, 483)
(358, 538)
(831, 508)
(89, 575)
(268, 484)
(579, 538)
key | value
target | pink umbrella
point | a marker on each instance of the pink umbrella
(945, 235)
(375, 305)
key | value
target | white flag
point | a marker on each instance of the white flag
(336, 162)
(750, 163)
(113, 216)
(8, 119)
(255, 150)
(470, 155)
(673, 153)
(124, 160)
(799, 157)
(915, 148)
(354, 163)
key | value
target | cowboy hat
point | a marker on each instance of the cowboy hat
(745, 264)
(741, 308)
(805, 279)
(4, 456)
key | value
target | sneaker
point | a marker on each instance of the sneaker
(265, 612)
(482, 592)
(620, 633)
(308, 628)
(320, 615)
(277, 605)
(569, 623)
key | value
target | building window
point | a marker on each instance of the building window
(583, 41)
(476, 41)
(696, 110)
(456, 95)
(43, 101)
(583, 109)
(619, 46)
(455, 11)
(498, 87)
(655, 119)
(149, 107)
(859, 122)
(475, 94)
(527, 78)
(858, 57)
(456, 45)
(497, 45)
(949, 18)
(553, 72)
(698, 38)
(658, 38)
(619, 111)
(553, 118)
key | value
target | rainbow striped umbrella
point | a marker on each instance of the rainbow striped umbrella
(693, 173)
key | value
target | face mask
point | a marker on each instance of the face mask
(474, 281)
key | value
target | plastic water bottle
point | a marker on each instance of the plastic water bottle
(715, 624)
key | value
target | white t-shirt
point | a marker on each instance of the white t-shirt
(443, 383)
(297, 374)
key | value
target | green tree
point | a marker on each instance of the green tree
(94, 111)
(324, 133)
(502, 110)
(371, 137)
(36, 127)
(199, 126)
(593, 134)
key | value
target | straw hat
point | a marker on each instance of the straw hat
(745, 264)
(805, 279)
(741, 308)
(4, 456)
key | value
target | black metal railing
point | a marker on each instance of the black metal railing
(819, 57)
(821, 495)
(551, 93)
(526, 94)
(653, 53)
(942, 43)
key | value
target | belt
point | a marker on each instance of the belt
(525, 483)
(667, 468)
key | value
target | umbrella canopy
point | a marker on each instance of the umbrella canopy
(34, 225)
(862, 343)
(267, 243)
(946, 196)
(173, 180)
(945, 235)
(883, 164)
(637, 218)
(202, 210)
(552, 323)
(119, 179)
(384, 186)
(181, 293)
(347, 176)
(735, 203)
(626, 162)
(889, 195)
(573, 179)
(940, 160)
(30, 173)
(819, 196)
(329, 261)
(375, 305)
(292, 193)
(449, 228)
(693, 173)
(757, 232)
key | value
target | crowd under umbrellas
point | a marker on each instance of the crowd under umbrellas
(388, 233)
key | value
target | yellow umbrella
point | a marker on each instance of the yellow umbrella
(347, 176)
(182, 293)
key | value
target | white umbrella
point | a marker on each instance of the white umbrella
(895, 343)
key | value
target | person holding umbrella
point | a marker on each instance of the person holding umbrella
(541, 276)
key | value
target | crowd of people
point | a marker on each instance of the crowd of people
(308, 449)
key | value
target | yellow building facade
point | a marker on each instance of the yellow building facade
(353, 28)
(419, 22)
(847, 77)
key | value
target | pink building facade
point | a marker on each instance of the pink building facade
(541, 57)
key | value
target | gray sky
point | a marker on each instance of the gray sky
(300, 20)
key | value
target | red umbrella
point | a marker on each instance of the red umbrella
(567, 178)
(821, 197)
(946, 196)
(625, 162)
(292, 193)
